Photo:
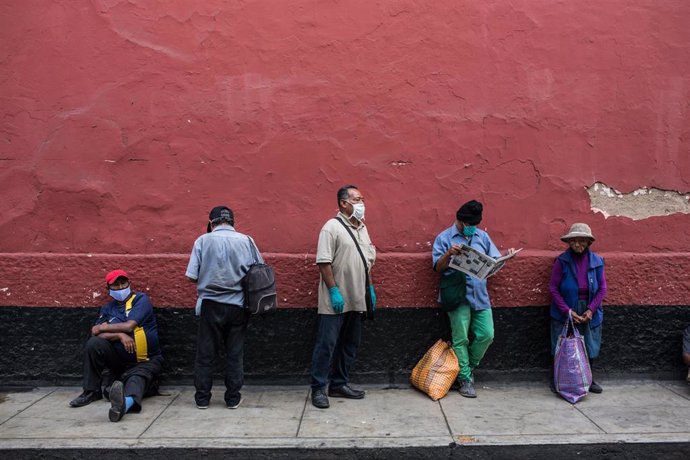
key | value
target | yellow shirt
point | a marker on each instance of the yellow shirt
(337, 248)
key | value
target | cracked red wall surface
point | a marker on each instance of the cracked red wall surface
(123, 122)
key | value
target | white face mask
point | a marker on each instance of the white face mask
(358, 211)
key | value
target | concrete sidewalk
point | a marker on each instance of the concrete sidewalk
(520, 420)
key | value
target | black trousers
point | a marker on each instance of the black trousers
(139, 379)
(220, 326)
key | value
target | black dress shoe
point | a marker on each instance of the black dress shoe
(117, 402)
(319, 399)
(87, 397)
(345, 392)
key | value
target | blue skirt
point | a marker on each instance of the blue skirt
(592, 335)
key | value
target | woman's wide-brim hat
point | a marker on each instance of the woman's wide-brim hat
(578, 230)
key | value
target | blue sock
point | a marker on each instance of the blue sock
(129, 402)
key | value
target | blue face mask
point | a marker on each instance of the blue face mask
(121, 294)
(469, 230)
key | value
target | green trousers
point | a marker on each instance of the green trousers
(480, 323)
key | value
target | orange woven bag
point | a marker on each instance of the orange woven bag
(435, 373)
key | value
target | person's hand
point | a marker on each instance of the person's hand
(95, 330)
(577, 319)
(454, 250)
(373, 297)
(128, 342)
(337, 300)
(586, 316)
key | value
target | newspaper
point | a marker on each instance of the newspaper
(477, 264)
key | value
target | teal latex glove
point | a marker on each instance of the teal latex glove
(337, 300)
(373, 297)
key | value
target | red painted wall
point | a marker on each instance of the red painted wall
(123, 122)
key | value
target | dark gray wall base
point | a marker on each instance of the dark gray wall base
(44, 345)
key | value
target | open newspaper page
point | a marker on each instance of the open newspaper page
(477, 264)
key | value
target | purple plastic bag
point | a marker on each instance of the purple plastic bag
(571, 372)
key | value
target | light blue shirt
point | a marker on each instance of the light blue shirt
(218, 262)
(477, 295)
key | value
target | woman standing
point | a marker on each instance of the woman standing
(578, 283)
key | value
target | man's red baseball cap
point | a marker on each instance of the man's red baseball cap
(115, 274)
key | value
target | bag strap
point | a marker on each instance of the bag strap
(361, 254)
(568, 324)
(255, 253)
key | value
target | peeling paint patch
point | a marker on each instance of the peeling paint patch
(638, 204)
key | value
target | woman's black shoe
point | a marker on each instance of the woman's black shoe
(595, 388)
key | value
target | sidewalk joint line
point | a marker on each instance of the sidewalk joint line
(304, 409)
(673, 390)
(159, 415)
(588, 418)
(30, 405)
(445, 418)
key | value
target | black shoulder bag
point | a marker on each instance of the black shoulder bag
(259, 286)
(367, 292)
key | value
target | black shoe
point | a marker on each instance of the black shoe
(595, 388)
(319, 399)
(234, 403)
(87, 397)
(202, 399)
(467, 389)
(345, 392)
(117, 402)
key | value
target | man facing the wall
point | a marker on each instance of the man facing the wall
(219, 260)
(342, 302)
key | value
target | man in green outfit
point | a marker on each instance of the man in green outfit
(474, 313)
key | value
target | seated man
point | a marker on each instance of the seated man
(125, 341)
(686, 351)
